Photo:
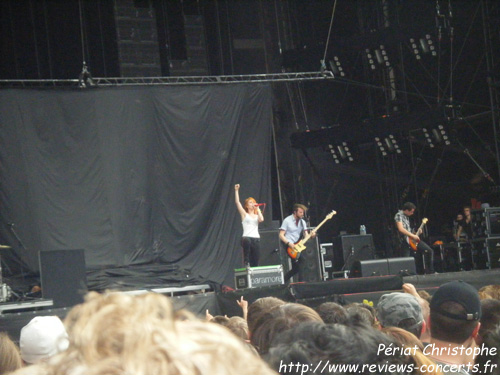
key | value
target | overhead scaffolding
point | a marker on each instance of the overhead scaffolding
(163, 81)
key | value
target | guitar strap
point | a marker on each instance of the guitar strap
(304, 226)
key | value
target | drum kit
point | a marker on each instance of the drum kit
(5, 290)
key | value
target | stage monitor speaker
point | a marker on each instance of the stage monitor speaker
(402, 266)
(271, 251)
(366, 268)
(310, 266)
(269, 248)
(351, 248)
(62, 275)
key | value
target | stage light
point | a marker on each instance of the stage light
(426, 46)
(428, 137)
(336, 66)
(381, 147)
(385, 58)
(369, 57)
(429, 45)
(345, 152)
(340, 152)
(334, 155)
(388, 144)
(415, 49)
(394, 143)
(437, 136)
(444, 135)
(391, 145)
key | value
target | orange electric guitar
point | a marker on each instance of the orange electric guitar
(300, 246)
(413, 244)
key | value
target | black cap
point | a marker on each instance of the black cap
(459, 292)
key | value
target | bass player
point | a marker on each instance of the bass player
(423, 254)
(291, 230)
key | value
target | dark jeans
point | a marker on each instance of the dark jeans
(251, 251)
(296, 264)
(424, 256)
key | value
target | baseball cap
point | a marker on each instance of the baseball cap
(42, 337)
(392, 308)
(459, 292)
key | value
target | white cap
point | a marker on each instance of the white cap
(42, 337)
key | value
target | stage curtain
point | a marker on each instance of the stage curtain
(134, 175)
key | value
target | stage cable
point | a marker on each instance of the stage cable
(102, 40)
(451, 32)
(494, 101)
(454, 60)
(440, 37)
(229, 36)
(82, 38)
(219, 36)
(49, 53)
(280, 47)
(32, 14)
(323, 62)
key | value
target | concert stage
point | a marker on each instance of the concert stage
(197, 298)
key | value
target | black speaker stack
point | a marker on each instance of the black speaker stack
(310, 268)
(383, 267)
(348, 249)
(63, 276)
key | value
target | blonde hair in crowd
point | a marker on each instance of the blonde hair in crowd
(116, 333)
(10, 358)
(489, 291)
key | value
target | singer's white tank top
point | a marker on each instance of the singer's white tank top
(250, 226)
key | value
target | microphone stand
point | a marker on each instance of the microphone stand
(351, 254)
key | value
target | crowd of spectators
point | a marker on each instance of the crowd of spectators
(454, 331)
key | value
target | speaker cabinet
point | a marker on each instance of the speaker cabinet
(351, 248)
(383, 267)
(269, 248)
(402, 266)
(366, 268)
(62, 275)
(310, 266)
(273, 252)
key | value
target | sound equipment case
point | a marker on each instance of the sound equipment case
(253, 277)
(485, 222)
(486, 253)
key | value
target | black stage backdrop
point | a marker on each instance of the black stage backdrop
(134, 175)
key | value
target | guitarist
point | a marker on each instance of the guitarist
(291, 230)
(424, 255)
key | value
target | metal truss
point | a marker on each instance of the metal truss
(163, 81)
(38, 83)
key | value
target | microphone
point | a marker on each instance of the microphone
(10, 224)
(259, 204)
